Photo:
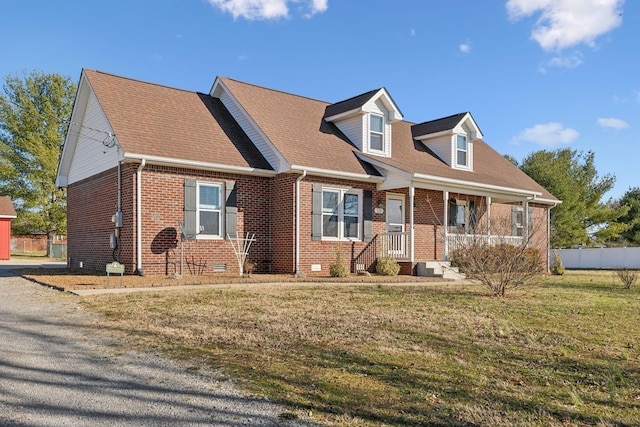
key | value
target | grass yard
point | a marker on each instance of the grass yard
(562, 352)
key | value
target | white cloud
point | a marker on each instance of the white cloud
(465, 47)
(569, 61)
(548, 135)
(319, 6)
(412, 31)
(610, 122)
(619, 99)
(567, 23)
(266, 9)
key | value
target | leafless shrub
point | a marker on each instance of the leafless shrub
(627, 277)
(500, 267)
(499, 258)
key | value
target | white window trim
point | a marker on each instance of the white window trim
(341, 193)
(467, 151)
(221, 210)
(520, 227)
(382, 134)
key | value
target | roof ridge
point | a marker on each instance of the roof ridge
(359, 95)
(445, 117)
(139, 81)
(276, 90)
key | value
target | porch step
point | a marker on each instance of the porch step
(438, 269)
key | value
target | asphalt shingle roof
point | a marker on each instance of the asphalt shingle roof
(155, 120)
(438, 125)
(349, 104)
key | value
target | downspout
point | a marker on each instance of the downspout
(300, 178)
(118, 224)
(139, 217)
(119, 183)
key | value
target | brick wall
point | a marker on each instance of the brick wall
(266, 207)
(92, 202)
(323, 252)
(282, 191)
(163, 208)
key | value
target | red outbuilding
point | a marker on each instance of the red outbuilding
(7, 213)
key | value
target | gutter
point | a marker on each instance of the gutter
(468, 184)
(300, 178)
(337, 174)
(165, 161)
(139, 217)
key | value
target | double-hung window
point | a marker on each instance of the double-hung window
(341, 214)
(376, 132)
(462, 150)
(463, 216)
(518, 221)
(209, 210)
(517, 224)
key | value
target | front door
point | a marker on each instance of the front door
(395, 226)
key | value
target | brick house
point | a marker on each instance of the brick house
(308, 177)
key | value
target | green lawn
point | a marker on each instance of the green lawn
(562, 352)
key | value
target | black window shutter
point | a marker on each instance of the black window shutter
(514, 221)
(316, 212)
(367, 215)
(530, 221)
(473, 214)
(453, 211)
(190, 208)
(231, 210)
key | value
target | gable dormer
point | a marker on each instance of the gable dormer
(450, 138)
(366, 120)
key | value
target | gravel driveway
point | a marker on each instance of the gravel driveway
(58, 369)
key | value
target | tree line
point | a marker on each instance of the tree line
(35, 110)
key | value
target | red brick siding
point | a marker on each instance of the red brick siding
(323, 252)
(92, 202)
(266, 207)
(282, 190)
(428, 218)
(162, 209)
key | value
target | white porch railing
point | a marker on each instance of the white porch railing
(396, 244)
(456, 241)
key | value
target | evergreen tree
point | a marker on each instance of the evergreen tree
(571, 176)
(631, 199)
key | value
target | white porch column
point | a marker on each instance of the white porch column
(525, 220)
(488, 216)
(445, 196)
(412, 194)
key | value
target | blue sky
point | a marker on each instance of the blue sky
(535, 74)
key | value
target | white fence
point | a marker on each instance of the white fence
(604, 258)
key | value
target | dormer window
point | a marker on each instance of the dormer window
(450, 138)
(376, 132)
(462, 151)
(366, 120)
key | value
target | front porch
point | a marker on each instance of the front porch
(399, 246)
